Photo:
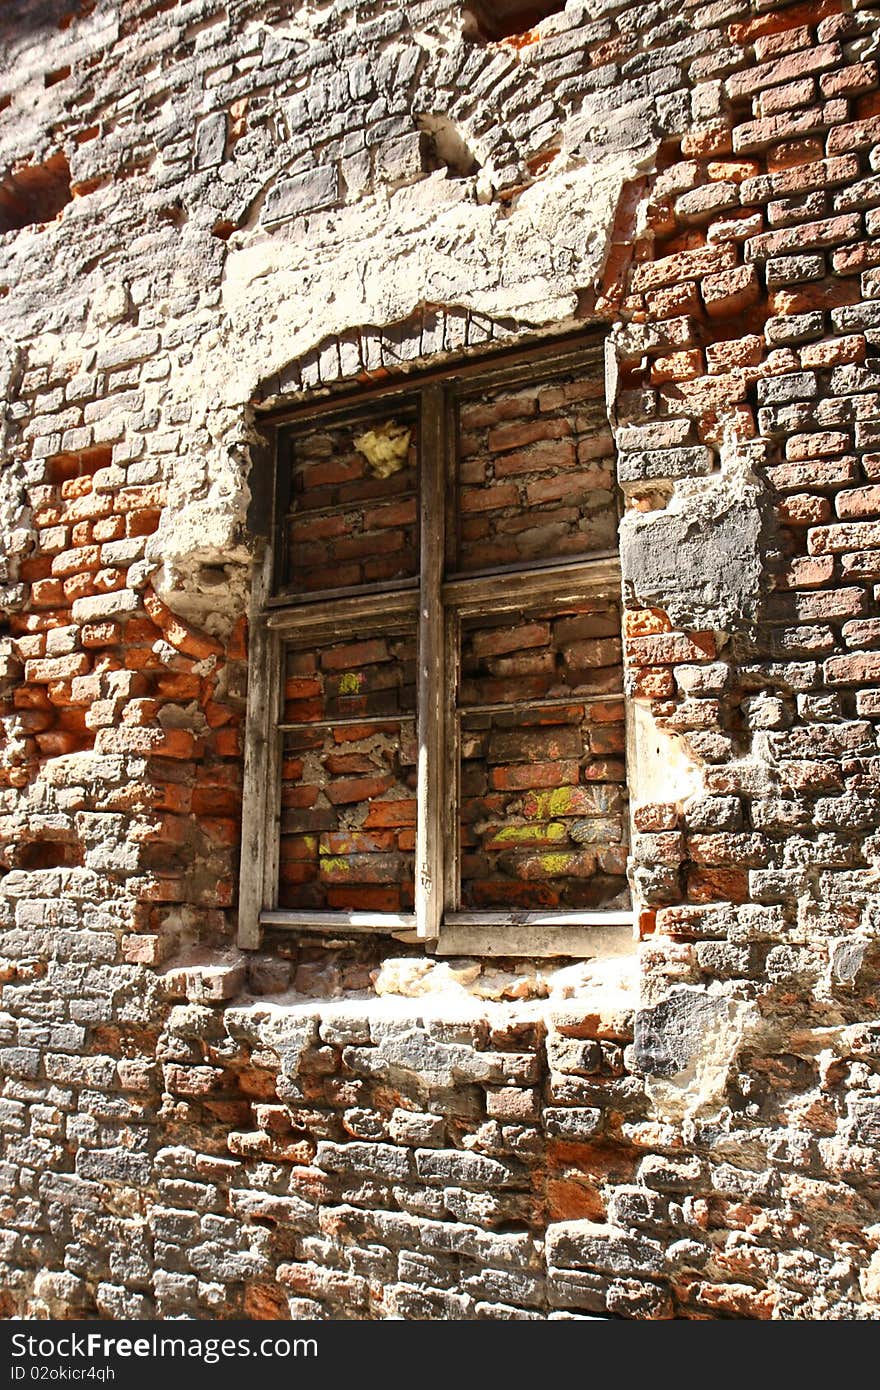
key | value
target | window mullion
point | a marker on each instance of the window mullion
(431, 697)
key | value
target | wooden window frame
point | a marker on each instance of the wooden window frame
(434, 605)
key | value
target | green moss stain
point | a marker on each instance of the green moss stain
(334, 864)
(350, 682)
(558, 802)
(554, 864)
(531, 834)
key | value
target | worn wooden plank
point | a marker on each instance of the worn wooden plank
(598, 918)
(431, 762)
(362, 593)
(261, 778)
(329, 923)
(452, 763)
(284, 446)
(503, 939)
(450, 490)
(347, 614)
(505, 590)
(542, 702)
(350, 722)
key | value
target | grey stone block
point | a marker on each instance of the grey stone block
(318, 188)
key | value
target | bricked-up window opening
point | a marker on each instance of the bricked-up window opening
(34, 193)
(436, 731)
(503, 19)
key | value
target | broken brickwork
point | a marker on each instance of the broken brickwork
(212, 210)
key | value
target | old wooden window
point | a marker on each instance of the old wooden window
(436, 735)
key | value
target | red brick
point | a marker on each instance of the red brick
(76, 487)
(364, 898)
(35, 567)
(654, 816)
(670, 649)
(227, 743)
(522, 776)
(111, 528)
(856, 135)
(88, 508)
(772, 44)
(685, 265)
(390, 813)
(757, 135)
(735, 352)
(674, 300)
(389, 515)
(705, 885)
(823, 173)
(56, 668)
(483, 413)
(495, 642)
(731, 292)
(178, 633)
(56, 744)
(142, 522)
(134, 499)
(849, 81)
(592, 652)
(862, 632)
(77, 561)
(865, 564)
(859, 668)
(834, 352)
(706, 140)
(801, 509)
(554, 454)
(736, 1300)
(351, 789)
(521, 434)
(47, 593)
(807, 236)
(643, 622)
(793, 94)
(829, 540)
(677, 366)
(354, 654)
(179, 744)
(732, 170)
(858, 502)
(815, 58)
(484, 499)
(829, 294)
(652, 683)
(805, 573)
(100, 635)
(822, 444)
(862, 255)
(705, 393)
(807, 775)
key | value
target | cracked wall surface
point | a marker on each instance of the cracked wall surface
(209, 210)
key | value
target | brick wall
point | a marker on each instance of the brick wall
(254, 211)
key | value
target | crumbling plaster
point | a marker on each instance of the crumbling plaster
(230, 315)
(256, 212)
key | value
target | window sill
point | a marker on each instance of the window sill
(331, 923)
(537, 935)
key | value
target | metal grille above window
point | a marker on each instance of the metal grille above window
(436, 732)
